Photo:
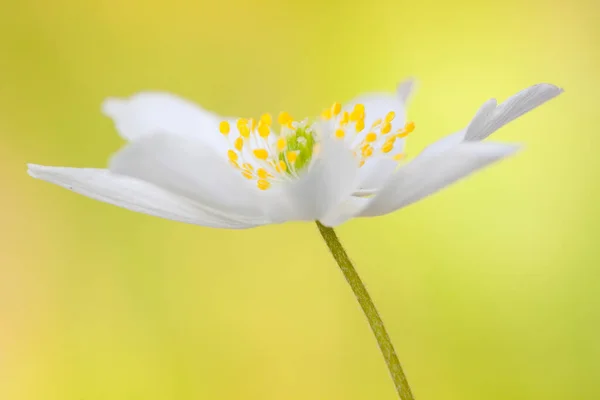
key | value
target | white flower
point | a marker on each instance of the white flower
(187, 164)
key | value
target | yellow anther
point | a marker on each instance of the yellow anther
(247, 166)
(326, 114)
(253, 124)
(261, 154)
(281, 144)
(239, 143)
(398, 156)
(285, 118)
(247, 174)
(234, 164)
(377, 123)
(291, 156)
(232, 155)
(386, 128)
(266, 119)
(263, 130)
(367, 151)
(387, 147)
(244, 131)
(242, 122)
(336, 108)
(361, 163)
(390, 116)
(339, 133)
(356, 115)
(262, 173)
(263, 184)
(345, 118)
(360, 125)
(282, 167)
(224, 127)
(408, 128)
(371, 137)
(358, 112)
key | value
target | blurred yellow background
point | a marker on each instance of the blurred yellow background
(490, 289)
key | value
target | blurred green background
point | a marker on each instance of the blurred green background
(490, 290)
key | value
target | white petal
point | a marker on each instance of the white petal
(148, 113)
(184, 165)
(483, 115)
(405, 90)
(443, 144)
(375, 172)
(491, 117)
(330, 179)
(519, 104)
(426, 175)
(348, 209)
(380, 171)
(132, 194)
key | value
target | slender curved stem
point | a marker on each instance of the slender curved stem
(383, 339)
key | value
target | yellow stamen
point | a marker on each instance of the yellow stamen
(253, 124)
(263, 130)
(281, 144)
(247, 166)
(244, 131)
(262, 173)
(282, 166)
(371, 137)
(285, 118)
(326, 114)
(391, 139)
(232, 155)
(263, 184)
(386, 128)
(398, 156)
(261, 154)
(291, 156)
(376, 123)
(224, 127)
(359, 109)
(345, 118)
(387, 147)
(239, 143)
(266, 119)
(361, 163)
(360, 125)
(247, 174)
(340, 133)
(336, 108)
(234, 164)
(367, 151)
(390, 116)
(357, 113)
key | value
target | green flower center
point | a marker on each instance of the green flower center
(301, 143)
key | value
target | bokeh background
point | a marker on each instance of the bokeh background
(490, 289)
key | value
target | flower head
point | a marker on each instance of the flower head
(187, 164)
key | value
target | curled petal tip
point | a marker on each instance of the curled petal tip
(406, 88)
(33, 169)
(112, 106)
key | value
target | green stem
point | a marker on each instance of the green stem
(383, 339)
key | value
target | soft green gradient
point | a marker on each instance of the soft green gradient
(490, 290)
